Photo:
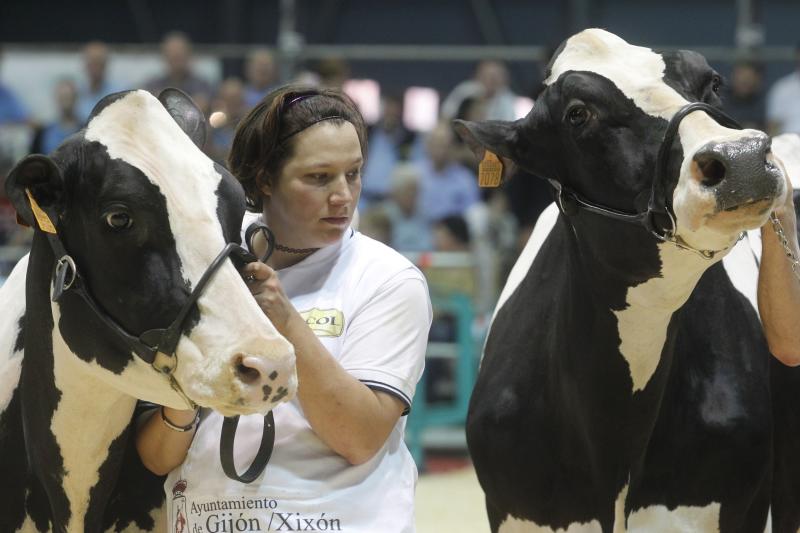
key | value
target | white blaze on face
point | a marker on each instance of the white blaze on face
(138, 130)
(638, 73)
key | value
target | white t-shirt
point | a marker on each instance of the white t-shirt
(370, 308)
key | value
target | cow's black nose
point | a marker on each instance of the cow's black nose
(736, 158)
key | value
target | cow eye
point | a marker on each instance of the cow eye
(577, 115)
(716, 83)
(118, 220)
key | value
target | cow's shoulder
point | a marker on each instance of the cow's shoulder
(12, 302)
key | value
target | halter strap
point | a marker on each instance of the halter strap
(569, 202)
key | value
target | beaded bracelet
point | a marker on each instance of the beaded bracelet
(175, 427)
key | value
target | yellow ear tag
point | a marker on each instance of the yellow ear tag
(490, 171)
(41, 217)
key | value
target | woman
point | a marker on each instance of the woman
(358, 315)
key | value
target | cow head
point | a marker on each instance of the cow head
(597, 127)
(144, 212)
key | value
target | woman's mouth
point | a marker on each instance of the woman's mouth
(337, 221)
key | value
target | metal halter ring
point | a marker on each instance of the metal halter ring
(66, 266)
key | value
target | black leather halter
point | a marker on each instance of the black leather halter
(156, 346)
(229, 423)
(658, 219)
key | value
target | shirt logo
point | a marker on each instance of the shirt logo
(324, 322)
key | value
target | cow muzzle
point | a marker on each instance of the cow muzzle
(741, 173)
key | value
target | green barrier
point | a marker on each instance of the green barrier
(465, 350)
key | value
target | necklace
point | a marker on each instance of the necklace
(299, 251)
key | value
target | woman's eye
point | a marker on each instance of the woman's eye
(353, 174)
(578, 115)
(119, 220)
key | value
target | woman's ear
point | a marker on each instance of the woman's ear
(263, 184)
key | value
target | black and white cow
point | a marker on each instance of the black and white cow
(603, 403)
(143, 213)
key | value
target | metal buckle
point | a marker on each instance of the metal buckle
(64, 266)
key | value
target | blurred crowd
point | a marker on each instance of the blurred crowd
(420, 191)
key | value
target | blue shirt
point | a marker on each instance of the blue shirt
(54, 134)
(409, 233)
(87, 99)
(447, 192)
(11, 109)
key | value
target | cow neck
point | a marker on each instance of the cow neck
(642, 289)
(102, 413)
(71, 418)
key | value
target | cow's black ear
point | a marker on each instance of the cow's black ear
(186, 113)
(496, 136)
(39, 175)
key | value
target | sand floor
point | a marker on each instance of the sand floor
(450, 502)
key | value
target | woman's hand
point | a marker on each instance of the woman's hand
(266, 288)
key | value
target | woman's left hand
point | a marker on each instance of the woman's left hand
(266, 288)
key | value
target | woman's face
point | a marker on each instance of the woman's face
(312, 202)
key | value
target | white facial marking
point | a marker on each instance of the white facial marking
(638, 73)
(88, 417)
(138, 130)
(12, 301)
(643, 323)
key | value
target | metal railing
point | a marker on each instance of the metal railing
(415, 52)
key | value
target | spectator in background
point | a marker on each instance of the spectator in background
(451, 234)
(746, 102)
(446, 187)
(228, 109)
(489, 87)
(176, 51)
(783, 102)
(48, 137)
(261, 75)
(376, 224)
(333, 72)
(96, 85)
(389, 143)
(410, 231)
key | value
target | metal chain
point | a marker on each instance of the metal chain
(778, 227)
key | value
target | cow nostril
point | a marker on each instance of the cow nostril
(712, 170)
(247, 374)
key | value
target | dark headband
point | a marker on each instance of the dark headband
(299, 98)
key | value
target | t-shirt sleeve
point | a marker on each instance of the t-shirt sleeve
(385, 342)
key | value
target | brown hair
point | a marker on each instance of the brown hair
(264, 139)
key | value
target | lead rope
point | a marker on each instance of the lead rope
(778, 228)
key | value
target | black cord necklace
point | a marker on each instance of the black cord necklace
(298, 251)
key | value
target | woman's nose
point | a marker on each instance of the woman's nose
(341, 193)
